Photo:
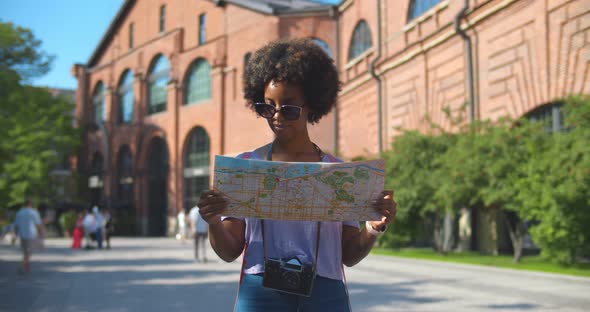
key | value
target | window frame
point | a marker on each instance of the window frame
(202, 28)
(187, 83)
(162, 20)
(423, 7)
(131, 27)
(124, 88)
(98, 98)
(153, 79)
(360, 41)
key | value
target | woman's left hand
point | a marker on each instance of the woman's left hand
(387, 207)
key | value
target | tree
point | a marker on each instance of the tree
(555, 192)
(36, 128)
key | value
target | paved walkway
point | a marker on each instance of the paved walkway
(141, 274)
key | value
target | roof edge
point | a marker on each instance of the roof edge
(117, 20)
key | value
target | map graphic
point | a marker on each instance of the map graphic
(300, 191)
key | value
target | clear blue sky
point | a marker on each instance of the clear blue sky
(69, 29)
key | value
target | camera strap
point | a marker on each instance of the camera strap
(267, 149)
(317, 244)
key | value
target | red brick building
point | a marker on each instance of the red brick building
(161, 94)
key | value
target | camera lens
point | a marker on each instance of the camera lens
(291, 279)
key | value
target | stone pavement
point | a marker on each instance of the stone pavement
(159, 274)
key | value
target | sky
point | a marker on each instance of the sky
(69, 29)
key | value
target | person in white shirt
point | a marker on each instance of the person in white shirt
(182, 230)
(28, 227)
(98, 218)
(89, 225)
(200, 229)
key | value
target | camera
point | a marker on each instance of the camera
(288, 276)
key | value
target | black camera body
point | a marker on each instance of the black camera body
(288, 276)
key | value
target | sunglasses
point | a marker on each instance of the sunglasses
(290, 112)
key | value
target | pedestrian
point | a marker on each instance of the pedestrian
(99, 220)
(291, 83)
(199, 229)
(109, 227)
(29, 228)
(182, 228)
(89, 224)
(78, 232)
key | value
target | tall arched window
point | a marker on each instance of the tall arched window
(196, 166)
(361, 40)
(324, 46)
(197, 86)
(158, 80)
(418, 7)
(98, 103)
(125, 176)
(125, 97)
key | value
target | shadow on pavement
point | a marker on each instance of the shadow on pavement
(367, 297)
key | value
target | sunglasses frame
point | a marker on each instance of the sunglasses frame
(275, 110)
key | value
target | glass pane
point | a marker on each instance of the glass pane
(158, 79)
(419, 7)
(197, 154)
(198, 86)
(361, 40)
(98, 103)
(202, 30)
(125, 98)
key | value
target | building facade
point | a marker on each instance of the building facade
(161, 94)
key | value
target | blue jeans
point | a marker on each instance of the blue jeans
(327, 295)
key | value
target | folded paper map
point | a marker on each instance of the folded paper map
(300, 191)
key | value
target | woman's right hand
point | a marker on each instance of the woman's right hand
(212, 205)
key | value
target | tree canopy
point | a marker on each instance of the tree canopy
(36, 127)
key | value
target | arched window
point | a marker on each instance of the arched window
(196, 166)
(197, 86)
(98, 103)
(125, 175)
(158, 81)
(551, 115)
(324, 46)
(125, 97)
(361, 40)
(419, 7)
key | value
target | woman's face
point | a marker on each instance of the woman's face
(278, 94)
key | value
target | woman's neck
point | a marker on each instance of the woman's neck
(299, 149)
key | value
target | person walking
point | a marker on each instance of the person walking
(78, 232)
(199, 229)
(29, 228)
(109, 227)
(89, 224)
(99, 219)
(182, 228)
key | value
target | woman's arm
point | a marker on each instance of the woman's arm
(356, 244)
(228, 237)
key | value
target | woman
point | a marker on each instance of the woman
(291, 83)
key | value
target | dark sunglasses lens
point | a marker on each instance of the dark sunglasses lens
(291, 112)
(265, 110)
